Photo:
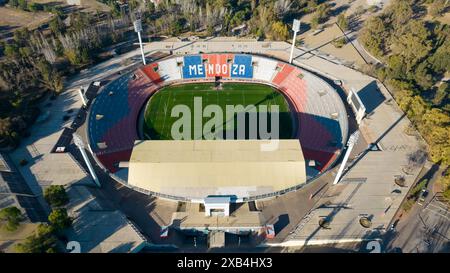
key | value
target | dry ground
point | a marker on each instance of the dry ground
(14, 18)
(9, 239)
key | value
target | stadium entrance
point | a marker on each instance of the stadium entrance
(217, 206)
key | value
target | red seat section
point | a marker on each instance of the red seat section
(111, 160)
(216, 65)
(283, 73)
(324, 158)
(151, 71)
(314, 137)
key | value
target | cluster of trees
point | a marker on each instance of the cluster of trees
(33, 6)
(263, 18)
(342, 21)
(35, 62)
(42, 241)
(417, 57)
(46, 236)
(320, 15)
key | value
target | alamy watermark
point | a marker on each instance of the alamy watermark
(250, 120)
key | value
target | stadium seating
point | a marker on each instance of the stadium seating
(216, 65)
(284, 71)
(151, 71)
(316, 103)
(120, 105)
(264, 69)
(169, 70)
(322, 119)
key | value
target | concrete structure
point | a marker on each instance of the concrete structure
(216, 239)
(373, 194)
(198, 168)
(242, 219)
(295, 28)
(364, 189)
(357, 105)
(217, 205)
(138, 28)
(14, 192)
(321, 121)
(350, 144)
(79, 143)
(82, 96)
(97, 227)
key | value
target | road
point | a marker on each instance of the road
(425, 229)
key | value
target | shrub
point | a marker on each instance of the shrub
(12, 217)
(43, 241)
(59, 219)
(56, 196)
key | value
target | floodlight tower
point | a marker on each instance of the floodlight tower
(138, 28)
(295, 28)
(79, 143)
(350, 143)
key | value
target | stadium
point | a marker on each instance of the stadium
(130, 123)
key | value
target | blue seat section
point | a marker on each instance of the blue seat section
(333, 128)
(112, 104)
(242, 67)
(193, 67)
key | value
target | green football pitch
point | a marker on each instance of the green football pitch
(158, 119)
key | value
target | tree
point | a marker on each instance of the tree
(442, 93)
(373, 36)
(50, 77)
(56, 196)
(342, 21)
(56, 25)
(43, 241)
(322, 12)
(339, 43)
(34, 6)
(5, 132)
(280, 31)
(400, 12)
(314, 22)
(12, 217)
(413, 44)
(397, 69)
(11, 51)
(440, 60)
(423, 76)
(23, 4)
(59, 219)
(150, 7)
(14, 3)
(282, 8)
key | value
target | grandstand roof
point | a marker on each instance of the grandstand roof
(198, 168)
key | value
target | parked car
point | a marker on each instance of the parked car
(423, 196)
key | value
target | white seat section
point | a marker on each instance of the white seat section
(180, 63)
(264, 69)
(169, 70)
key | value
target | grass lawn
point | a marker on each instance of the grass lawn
(158, 121)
